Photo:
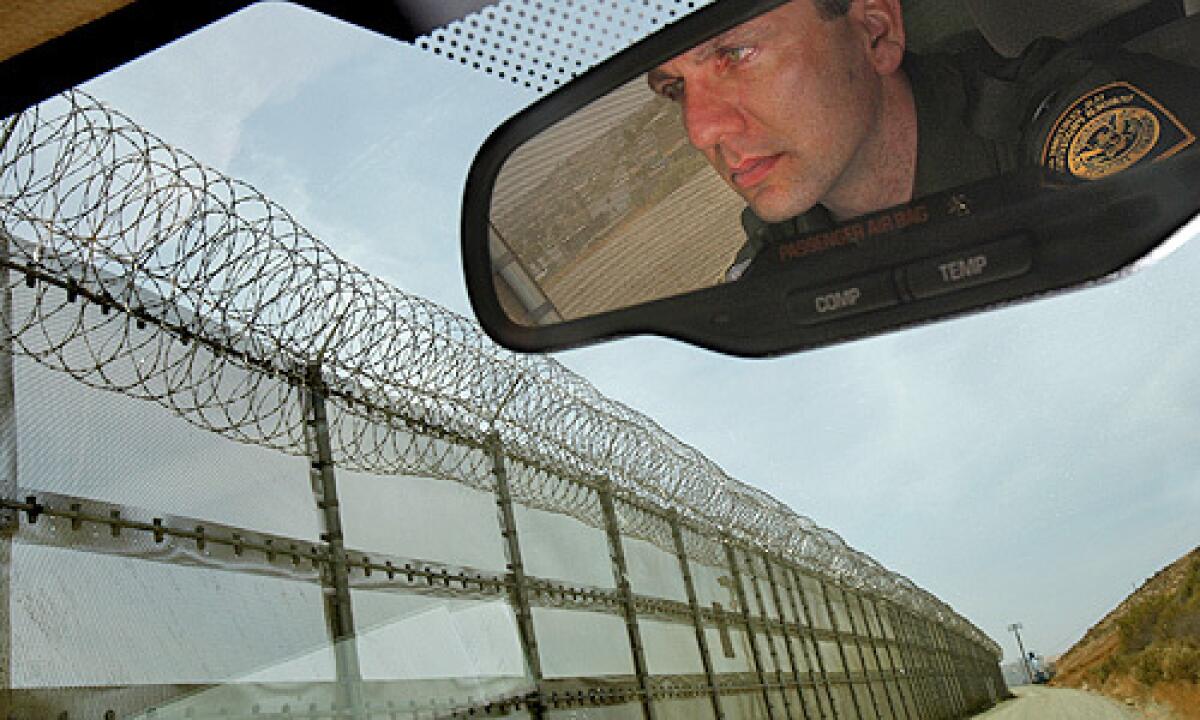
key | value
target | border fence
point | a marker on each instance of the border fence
(486, 535)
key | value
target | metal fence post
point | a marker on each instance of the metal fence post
(777, 597)
(740, 594)
(916, 696)
(890, 648)
(981, 696)
(797, 588)
(965, 669)
(919, 653)
(518, 584)
(762, 611)
(612, 529)
(932, 675)
(841, 646)
(968, 687)
(339, 614)
(973, 687)
(689, 587)
(9, 519)
(987, 686)
(872, 641)
(997, 675)
(943, 681)
(944, 678)
(935, 679)
(862, 655)
(953, 675)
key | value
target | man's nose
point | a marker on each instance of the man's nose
(709, 117)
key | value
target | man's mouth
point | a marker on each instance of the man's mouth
(752, 171)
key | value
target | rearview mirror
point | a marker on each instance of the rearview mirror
(769, 177)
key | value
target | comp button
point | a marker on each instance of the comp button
(969, 268)
(833, 302)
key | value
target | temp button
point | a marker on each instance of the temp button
(833, 302)
(967, 268)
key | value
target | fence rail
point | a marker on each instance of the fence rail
(136, 270)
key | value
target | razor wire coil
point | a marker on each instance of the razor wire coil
(154, 276)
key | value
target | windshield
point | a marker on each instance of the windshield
(1031, 464)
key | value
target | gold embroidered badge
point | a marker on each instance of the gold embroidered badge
(1111, 142)
(1110, 129)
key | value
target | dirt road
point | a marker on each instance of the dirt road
(1043, 703)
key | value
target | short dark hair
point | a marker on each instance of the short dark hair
(830, 9)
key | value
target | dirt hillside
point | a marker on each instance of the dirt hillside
(1147, 650)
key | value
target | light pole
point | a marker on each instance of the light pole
(1016, 630)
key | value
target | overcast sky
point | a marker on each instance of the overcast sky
(1031, 464)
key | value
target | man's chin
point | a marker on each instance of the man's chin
(773, 209)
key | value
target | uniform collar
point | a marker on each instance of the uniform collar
(949, 154)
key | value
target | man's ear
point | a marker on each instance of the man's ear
(883, 23)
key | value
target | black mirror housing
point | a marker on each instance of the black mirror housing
(1011, 238)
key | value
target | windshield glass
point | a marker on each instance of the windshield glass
(1031, 464)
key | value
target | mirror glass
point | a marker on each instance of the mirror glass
(793, 124)
(609, 208)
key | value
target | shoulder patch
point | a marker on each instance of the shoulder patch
(1112, 128)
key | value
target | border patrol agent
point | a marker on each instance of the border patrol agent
(1083, 110)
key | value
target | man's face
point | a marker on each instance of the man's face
(781, 105)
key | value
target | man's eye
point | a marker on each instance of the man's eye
(735, 54)
(672, 90)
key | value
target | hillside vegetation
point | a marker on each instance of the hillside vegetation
(1147, 650)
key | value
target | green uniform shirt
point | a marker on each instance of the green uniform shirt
(1079, 110)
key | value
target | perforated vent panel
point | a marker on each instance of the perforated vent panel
(541, 44)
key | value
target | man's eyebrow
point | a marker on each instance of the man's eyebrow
(747, 32)
(695, 54)
(702, 52)
(657, 76)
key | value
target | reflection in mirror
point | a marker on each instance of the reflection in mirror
(609, 208)
(812, 115)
